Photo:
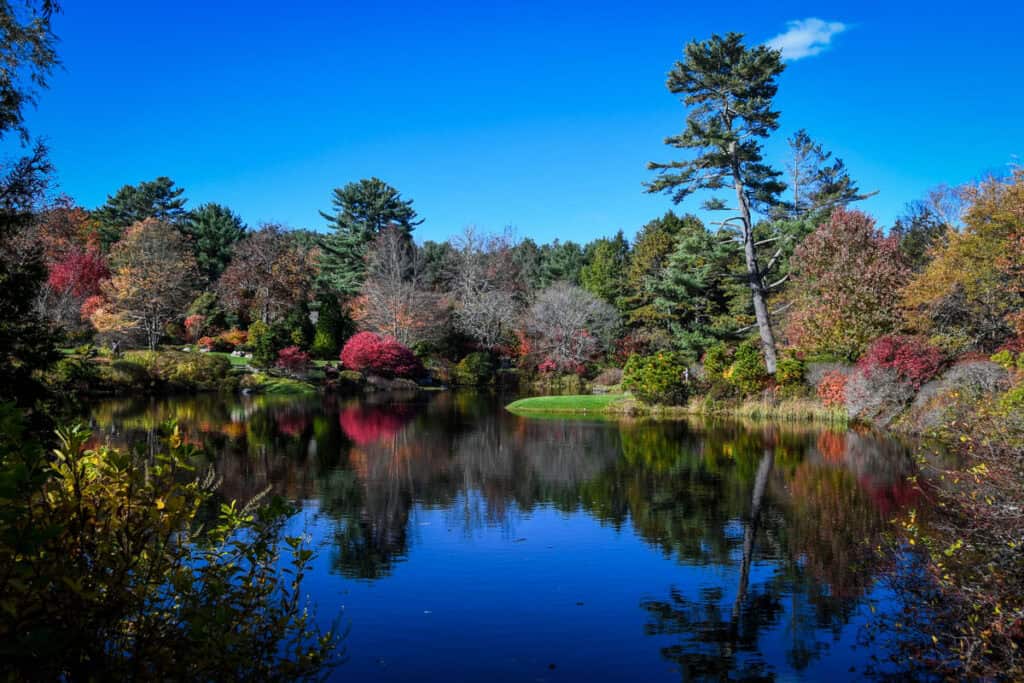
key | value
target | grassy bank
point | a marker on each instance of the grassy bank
(624, 405)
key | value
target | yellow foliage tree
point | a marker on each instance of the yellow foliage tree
(972, 292)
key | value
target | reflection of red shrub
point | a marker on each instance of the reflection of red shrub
(363, 425)
(832, 446)
(914, 360)
(832, 389)
(292, 424)
(367, 352)
(893, 497)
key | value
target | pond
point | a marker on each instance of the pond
(460, 542)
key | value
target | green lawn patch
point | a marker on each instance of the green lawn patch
(236, 361)
(277, 386)
(590, 403)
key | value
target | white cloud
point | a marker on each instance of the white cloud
(806, 37)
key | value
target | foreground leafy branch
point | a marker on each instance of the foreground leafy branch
(117, 565)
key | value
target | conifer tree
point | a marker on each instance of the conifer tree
(157, 198)
(361, 210)
(214, 230)
(607, 261)
(693, 289)
(728, 88)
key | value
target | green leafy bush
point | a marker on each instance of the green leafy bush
(790, 371)
(476, 369)
(716, 361)
(661, 379)
(1005, 358)
(1013, 400)
(261, 341)
(747, 372)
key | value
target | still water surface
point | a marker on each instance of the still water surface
(461, 542)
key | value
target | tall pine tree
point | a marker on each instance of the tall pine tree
(729, 88)
(361, 210)
(214, 230)
(157, 198)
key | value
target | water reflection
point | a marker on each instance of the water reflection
(777, 524)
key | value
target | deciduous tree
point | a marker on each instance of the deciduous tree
(269, 277)
(486, 288)
(568, 326)
(153, 279)
(393, 302)
(845, 288)
(969, 295)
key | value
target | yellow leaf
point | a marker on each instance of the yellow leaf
(160, 504)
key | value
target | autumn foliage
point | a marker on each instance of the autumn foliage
(832, 389)
(79, 272)
(368, 352)
(846, 285)
(915, 361)
(293, 359)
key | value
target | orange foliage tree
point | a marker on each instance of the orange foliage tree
(153, 275)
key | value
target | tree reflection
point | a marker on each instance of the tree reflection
(808, 504)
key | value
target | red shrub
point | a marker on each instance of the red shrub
(207, 342)
(395, 360)
(367, 352)
(359, 351)
(91, 305)
(292, 359)
(80, 272)
(547, 366)
(832, 389)
(915, 361)
(194, 325)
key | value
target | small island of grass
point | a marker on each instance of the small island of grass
(598, 403)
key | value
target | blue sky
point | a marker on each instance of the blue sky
(538, 115)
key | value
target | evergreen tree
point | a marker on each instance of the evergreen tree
(693, 289)
(214, 230)
(361, 210)
(527, 257)
(26, 342)
(560, 262)
(157, 198)
(921, 230)
(818, 182)
(603, 274)
(729, 89)
(651, 249)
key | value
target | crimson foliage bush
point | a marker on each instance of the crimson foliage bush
(359, 351)
(293, 359)
(914, 360)
(368, 352)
